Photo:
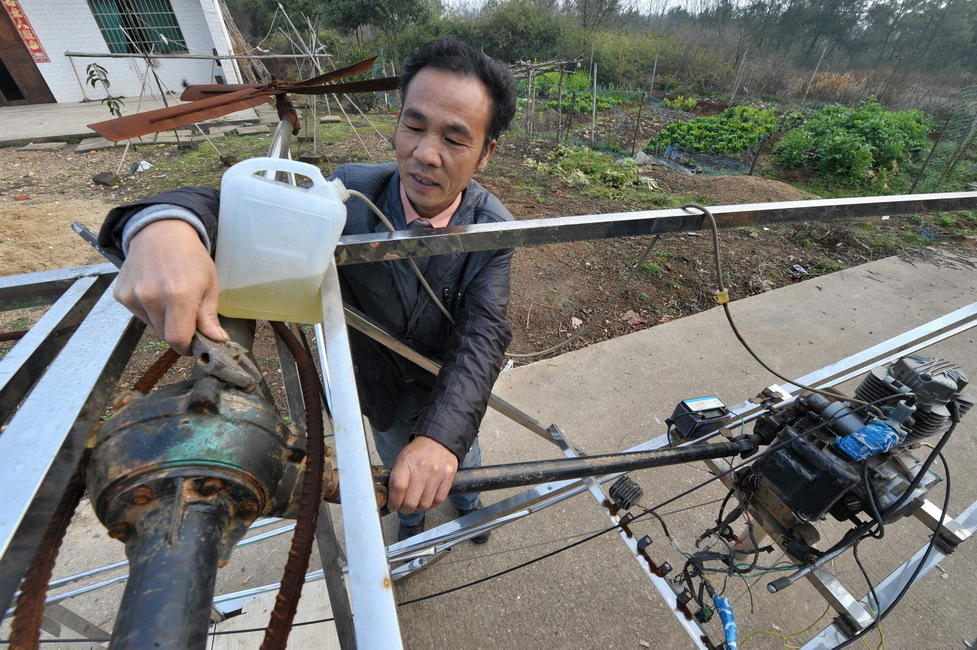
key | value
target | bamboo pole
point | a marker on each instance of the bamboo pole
(654, 72)
(815, 73)
(637, 127)
(593, 97)
(559, 108)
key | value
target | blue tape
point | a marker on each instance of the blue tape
(874, 438)
(725, 610)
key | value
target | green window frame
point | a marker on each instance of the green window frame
(138, 26)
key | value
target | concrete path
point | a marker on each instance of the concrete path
(613, 395)
(20, 125)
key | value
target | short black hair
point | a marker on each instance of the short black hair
(463, 60)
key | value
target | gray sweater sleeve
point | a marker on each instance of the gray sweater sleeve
(159, 212)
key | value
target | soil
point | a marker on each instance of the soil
(37, 234)
(730, 190)
(553, 285)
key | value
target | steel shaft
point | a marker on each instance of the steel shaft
(173, 567)
(498, 477)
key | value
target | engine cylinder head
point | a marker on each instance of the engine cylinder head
(935, 382)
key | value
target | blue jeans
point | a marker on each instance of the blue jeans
(389, 443)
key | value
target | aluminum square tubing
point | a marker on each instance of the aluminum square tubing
(360, 322)
(46, 436)
(356, 249)
(26, 361)
(44, 287)
(371, 588)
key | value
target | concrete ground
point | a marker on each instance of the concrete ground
(53, 122)
(615, 394)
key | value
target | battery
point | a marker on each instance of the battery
(697, 416)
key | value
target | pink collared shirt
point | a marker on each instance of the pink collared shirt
(440, 220)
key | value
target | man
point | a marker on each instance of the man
(455, 102)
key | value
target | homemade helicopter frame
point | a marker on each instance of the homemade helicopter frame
(75, 353)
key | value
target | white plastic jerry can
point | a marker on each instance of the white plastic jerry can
(276, 240)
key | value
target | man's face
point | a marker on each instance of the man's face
(440, 138)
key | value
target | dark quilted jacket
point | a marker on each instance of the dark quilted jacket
(473, 286)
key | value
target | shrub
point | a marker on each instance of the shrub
(736, 129)
(681, 103)
(855, 145)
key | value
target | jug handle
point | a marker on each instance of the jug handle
(261, 164)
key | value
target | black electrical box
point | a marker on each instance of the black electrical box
(696, 417)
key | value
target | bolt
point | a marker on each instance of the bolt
(141, 495)
(119, 530)
(209, 486)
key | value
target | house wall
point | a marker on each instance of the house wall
(68, 25)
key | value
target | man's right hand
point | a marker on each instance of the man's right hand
(170, 282)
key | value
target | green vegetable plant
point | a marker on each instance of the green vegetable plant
(856, 146)
(735, 130)
(586, 166)
(681, 103)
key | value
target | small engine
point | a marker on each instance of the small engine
(818, 470)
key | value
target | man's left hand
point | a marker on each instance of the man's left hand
(422, 476)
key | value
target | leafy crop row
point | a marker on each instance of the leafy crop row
(681, 102)
(583, 103)
(736, 129)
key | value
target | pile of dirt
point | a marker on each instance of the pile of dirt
(731, 190)
(37, 234)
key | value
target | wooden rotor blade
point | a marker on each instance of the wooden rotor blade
(360, 66)
(200, 91)
(173, 117)
(367, 85)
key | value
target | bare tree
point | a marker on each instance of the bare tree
(592, 14)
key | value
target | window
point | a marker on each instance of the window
(138, 26)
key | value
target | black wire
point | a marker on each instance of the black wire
(509, 570)
(749, 590)
(722, 507)
(661, 521)
(739, 337)
(868, 581)
(756, 552)
(879, 531)
(919, 566)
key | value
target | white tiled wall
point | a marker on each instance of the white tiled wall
(68, 25)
